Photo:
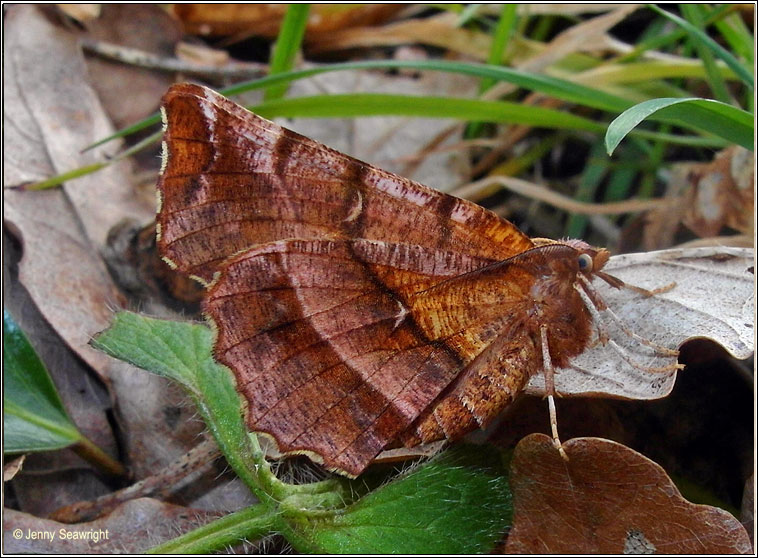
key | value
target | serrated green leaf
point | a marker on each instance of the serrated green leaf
(458, 503)
(183, 352)
(34, 418)
(710, 116)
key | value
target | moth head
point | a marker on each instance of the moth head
(592, 260)
(589, 259)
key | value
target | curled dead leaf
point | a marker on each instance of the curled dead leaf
(710, 196)
(712, 297)
(608, 499)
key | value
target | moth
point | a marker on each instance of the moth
(358, 309)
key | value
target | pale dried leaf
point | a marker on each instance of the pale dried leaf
(713, 298)
(48, 121)
(11, 468)
(587, 36)
(709, 197)
(439, 30)
(721, 192)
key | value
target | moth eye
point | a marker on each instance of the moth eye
(585, 262)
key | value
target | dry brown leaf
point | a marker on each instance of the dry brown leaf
(710, 196)
(440, 31)
(201, 54)
(608, 499)
(264, 19)
(143, 26)
(131, 528)
(713, 297)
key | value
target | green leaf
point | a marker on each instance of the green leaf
(720, 119)
(34, 418)
(183, 353)
(457, 503)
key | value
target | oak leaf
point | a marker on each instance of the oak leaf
(608, 499)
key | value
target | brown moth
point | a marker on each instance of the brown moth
(359, 309)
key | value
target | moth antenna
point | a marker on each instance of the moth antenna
(587, 291)
(547, 368)
(614, 282)
(619, 284)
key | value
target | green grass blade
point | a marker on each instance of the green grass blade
(716, 81)
(725, 121)
(506, 24)
(503, 31)
(547, 85)
(717, 49)
(655, 37)
(287, 46)
(375, 104)
(737, 35)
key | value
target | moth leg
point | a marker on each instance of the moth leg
(590, 298)
(547, 367)
(654, 369)
(592, 301)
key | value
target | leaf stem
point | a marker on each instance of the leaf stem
(250, 524)
(88, 451)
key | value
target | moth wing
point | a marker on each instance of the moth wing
(231, 180)
(339, 346)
